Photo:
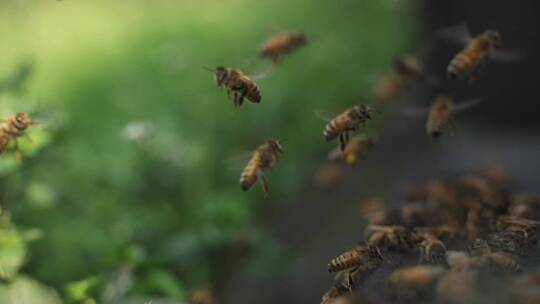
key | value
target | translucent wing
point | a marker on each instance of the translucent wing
(464, 105)
(508, 55)
(458, 34)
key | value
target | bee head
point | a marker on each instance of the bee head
(220, 74)
(21, 119)
(299, 39)
(276, 145)
(494, 38)
(363, 111)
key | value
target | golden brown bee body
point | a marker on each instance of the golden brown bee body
(364, 258)
(281, 45)
(391, 237)
(356, 263)
(237, 83)
(413, 282)
(349, 120)
(262, 160)
(13, 128)
(474, 55)
(354, 149)
(504, 262)
(438, 116)
(432, 251)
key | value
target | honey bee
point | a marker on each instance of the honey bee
(237, 83)
(354, 149)
(432, 251)
(281, 45)
(406, 71)
(413, 282)
(345, 122)
(262, 160)
(362, 258)
(14, 127)
(391, 237)
(524, 206)
(474, 55)
(440, 113)
(513, 241)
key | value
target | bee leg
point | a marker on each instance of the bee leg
(236, 100)
(264, 182)
(349, 279)
(341, 142)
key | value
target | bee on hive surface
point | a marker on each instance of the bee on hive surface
(278, 46)
(237, 83)
(391, 237)
(14, 127)
(263, 159)
(432, 251)
(349, 120)
(362, 258)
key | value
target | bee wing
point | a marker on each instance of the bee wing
(464, 105)
(458, 34)
(237, 162)
(262, 73)
(415, 111)
(508, 55)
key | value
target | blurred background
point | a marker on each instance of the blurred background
(129, 193)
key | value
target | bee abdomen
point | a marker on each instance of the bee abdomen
(253, 93)
(459, 65)
(249, 176)
(331, 130)
(342, 262)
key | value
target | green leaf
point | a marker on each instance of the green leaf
(12, 254)
(25, 290)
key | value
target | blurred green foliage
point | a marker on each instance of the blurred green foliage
(129, 180)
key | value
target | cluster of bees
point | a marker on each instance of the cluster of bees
(460, 231)
(406, 71)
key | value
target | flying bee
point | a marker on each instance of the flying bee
(476, 52)
(474, 55)
(362, 258)
(281, 45)
(237, 83)
(432, 251)
(413, 282)
(264, 157)
(405, 72)
(391, 237)
(14, 127)
(354, 149)
(440, 114)
(350, 120)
